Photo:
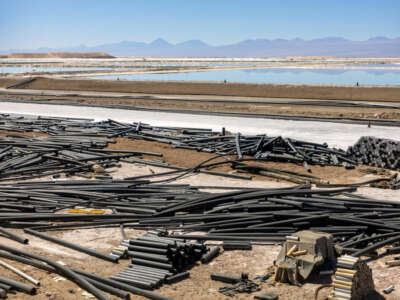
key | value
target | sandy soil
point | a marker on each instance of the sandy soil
(369, 93)
(232, 107)
(315, 110)
(199, 286)
(205, 90)
(190, 158)
(4, 82)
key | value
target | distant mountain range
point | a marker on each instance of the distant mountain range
(330, 46)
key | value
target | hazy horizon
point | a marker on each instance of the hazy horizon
(329, 46)
(28, 24)
(163, 40)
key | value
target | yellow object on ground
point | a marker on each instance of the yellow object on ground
(87, 211)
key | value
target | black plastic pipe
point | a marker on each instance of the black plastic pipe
(19, 286)
(153, 264)
(225, 278)
(123, 286)
(206, 258)
(178, 277)
(71, 245)
(65, 271)
(14, 236)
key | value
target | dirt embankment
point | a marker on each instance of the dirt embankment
(6, 81)
(312, 110)
(322, 92)
(266, 106)
(60, 55)
(190, 158)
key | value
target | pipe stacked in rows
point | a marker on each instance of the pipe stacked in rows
(383, 153)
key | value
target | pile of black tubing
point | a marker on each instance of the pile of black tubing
(359, 225)
(200, 139)
(157, 259)
(96, 285)
(383, 153)
(23, 157)
(396, 185)
(37, 204)
(241, 215)
(8, 285)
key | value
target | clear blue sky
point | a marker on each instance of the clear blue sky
(65, 23)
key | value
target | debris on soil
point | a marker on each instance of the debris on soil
(245, 285)
(267, 296)
(263, 278)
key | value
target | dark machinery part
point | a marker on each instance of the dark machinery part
(303, 253)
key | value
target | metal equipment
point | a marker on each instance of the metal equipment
(301, 255)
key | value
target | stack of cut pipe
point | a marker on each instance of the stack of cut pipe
(157, 259)
(200, 139)
(23, 157)
(383, 153)
(352, 280)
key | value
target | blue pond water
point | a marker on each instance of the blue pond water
(306, 76)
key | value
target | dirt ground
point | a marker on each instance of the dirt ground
(189, 158)
(295, 91)
(155, 96)
(198, 286)
(4, 82)
(315, 110)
